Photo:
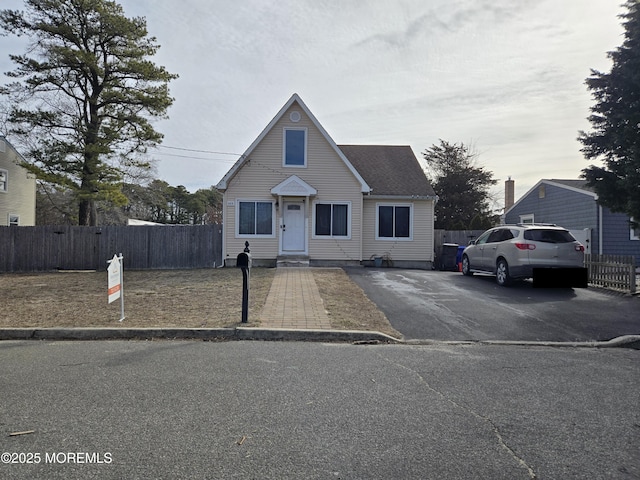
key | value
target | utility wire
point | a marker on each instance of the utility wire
(199, 151)
(195, 158)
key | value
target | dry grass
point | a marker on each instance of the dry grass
(348, 306)
(204, 298)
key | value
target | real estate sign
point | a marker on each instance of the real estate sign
(114, 285)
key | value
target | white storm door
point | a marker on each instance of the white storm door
(293, 227)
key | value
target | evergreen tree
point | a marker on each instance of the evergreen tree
(462, 188)
(615, 120)
(82, 96)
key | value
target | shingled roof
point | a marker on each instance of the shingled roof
(389, 169)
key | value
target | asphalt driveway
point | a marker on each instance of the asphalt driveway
(449, 306)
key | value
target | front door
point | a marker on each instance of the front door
(293, 227)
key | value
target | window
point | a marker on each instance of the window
(394, 222)
(482, 239)
(4, 177)
(332, 220)
(549, 236)
(14, 220)
(295, 147)
(500, 235)
(255, 218)
(527, 219)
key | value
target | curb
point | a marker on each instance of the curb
(278, 334)
(208, 334)
(624, 341)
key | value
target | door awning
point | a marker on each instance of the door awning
(294, 186)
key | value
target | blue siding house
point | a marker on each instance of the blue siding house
(574, 205)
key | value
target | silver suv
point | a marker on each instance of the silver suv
(513, 251)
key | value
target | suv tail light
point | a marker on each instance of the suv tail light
(579, 248)
(525, 246)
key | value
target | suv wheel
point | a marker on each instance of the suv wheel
(466, 266)
(502, 273)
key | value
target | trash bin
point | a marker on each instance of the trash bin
(448, 257)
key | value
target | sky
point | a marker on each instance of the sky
(504, 77)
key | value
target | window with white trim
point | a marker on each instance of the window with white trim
(527, 219)
(4, 179)
(332, 219)
(394, 222)
(255, 218)
(295, 147)
(14, 220)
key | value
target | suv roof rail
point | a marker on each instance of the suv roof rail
(537, 225)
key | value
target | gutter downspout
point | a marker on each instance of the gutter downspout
(362, 224)
(224, 230)
(600, 235)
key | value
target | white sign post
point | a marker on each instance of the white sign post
(115, 290)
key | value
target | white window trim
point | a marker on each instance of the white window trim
(238, 201)
(14, 215)
(394, 239)
(284, 146)
(336, 202)
(634, 233)
(5, 186)
(527, 219)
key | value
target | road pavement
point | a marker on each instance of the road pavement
(280, 410)
(449, 306)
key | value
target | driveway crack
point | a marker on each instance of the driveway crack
(483, 418)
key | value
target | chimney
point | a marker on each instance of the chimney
(509, 190)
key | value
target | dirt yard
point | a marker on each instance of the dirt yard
(207, 298)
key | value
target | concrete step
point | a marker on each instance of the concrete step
(285, 261)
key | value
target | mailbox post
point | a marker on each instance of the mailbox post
(243, 261)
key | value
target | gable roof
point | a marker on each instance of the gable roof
(575, 184)
(389, 170)
(578, 186)
(294, 185)
(4, 143)
(222, 185)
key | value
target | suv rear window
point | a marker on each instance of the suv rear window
(549, 236)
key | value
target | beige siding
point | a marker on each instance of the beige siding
(324, 171)
(419, 248)
(20, 197)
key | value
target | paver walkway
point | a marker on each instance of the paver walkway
(294, 301)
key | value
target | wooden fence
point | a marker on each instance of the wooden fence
(460, 237)
(615, 272)
(44, 248)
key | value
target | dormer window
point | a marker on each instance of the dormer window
(295, 147)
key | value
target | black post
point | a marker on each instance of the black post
(245, 295)
(245, 288)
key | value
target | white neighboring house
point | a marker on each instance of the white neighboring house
(17, 189)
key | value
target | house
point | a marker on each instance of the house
(17, 189)
(574, 205)
(297, 197)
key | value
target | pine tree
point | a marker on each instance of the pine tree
(82, 96)
(615, 120)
